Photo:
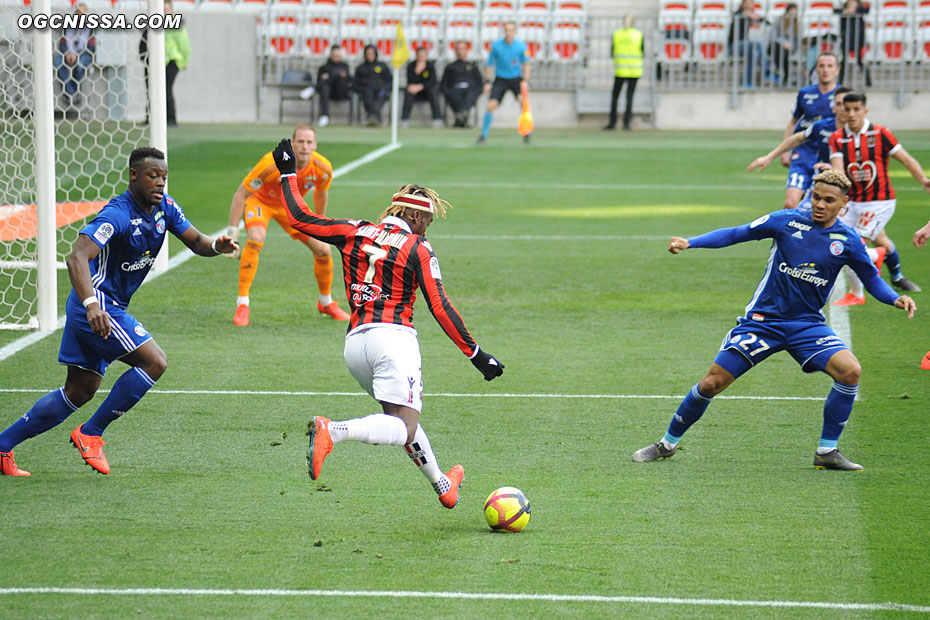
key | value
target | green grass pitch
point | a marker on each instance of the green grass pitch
(555, 255)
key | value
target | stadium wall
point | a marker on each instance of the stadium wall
(220, 85)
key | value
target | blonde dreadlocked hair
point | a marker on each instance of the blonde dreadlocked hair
(398, 209)
(834, 178)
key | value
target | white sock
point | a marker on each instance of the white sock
(377, 428)
(667, 445)
(873, 254)
(421, 453)
(855, 284)
(326, 299)
(242, 301)
(822, 450)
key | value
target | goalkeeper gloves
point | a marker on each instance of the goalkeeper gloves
(233, 231)
(487, 364)
(284, 157)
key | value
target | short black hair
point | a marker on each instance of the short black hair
(854, 98)
(144, 152)
(842, 90)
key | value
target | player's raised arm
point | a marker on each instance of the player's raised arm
(789, 143)
(914, 167)
(204, 245)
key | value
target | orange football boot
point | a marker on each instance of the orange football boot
(91, 449)
(450, 498)
(850, 300)
(321, 444)
(8, 465)
(880, 259)
(241, 317)
(924, 363)
(333, 310)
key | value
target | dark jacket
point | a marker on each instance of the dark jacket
(335, 70)
(428, 78)
(461, 74)
(372, 76)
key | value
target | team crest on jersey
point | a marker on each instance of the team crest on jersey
(160, 226)
(836, 248)
(434, 268)
(104, 233)
(862, 173)
(255, 184)
(140, 331)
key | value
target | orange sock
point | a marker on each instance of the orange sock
(323, 270)
(248, 265)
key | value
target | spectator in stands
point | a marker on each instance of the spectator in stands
(422, 85)
(784, 40)
(852, 36)
(373, 83)
(461, 84)
(332, 82)
(75, 53)
(510, 66)
(627, 49)
(739, 40)
(177, 57)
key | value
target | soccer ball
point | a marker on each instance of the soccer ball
(507, 509)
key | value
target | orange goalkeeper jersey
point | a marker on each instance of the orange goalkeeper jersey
(264, 180)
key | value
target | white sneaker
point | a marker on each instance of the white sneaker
(307, 93)
(405, 124)
(324, 121)
(437, 122)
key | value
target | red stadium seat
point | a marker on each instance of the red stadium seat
(565, 39)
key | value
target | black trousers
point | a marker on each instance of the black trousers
(171, 72)
(630, 89)
(427, 94)
(373, 100)
(461, 99)
(333, 88)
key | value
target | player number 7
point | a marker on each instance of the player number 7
(374, 255)
(749, 341)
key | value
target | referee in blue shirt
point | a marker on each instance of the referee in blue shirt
(511, 67)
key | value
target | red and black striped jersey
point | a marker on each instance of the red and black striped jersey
(865, 160)
(384, 265)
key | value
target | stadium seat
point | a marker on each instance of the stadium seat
(289, 88)
(709, 41)
(355, 31)
(319, 34)
(922, 37)
(894, 37)
(668, 7)
(215, 5)
(817, 7)
(565, 38)
(425, 28)
(464, 6)
(359, 5)
(532, 29)
(525, 8)
(490, 31)
(402, 6)
(821, 30)
(461, 27)
(499, 6)
(570, 8)
(707, 9)
(895, 6)
(385, 30)
(675, 30)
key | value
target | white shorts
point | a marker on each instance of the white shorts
(868, 218)
(385, 360)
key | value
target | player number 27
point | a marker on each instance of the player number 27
(374, 255)
(746, 344)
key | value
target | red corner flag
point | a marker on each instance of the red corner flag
(525, 124)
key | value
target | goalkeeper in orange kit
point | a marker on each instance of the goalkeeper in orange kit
(258, 199)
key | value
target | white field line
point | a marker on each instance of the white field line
(431, 395)
(589, 186)
(480, 596)
(182, 257)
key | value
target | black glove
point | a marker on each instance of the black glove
(284, 157)
(488, 365)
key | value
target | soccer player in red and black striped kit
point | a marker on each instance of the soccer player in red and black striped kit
(861, 151)
(384, 264)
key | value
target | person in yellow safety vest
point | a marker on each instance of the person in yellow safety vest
(627, 51)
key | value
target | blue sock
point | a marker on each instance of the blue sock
(836, 412)
(894, 262)
(689, 411)
(487, 124)
(128, 389)
(47, 412)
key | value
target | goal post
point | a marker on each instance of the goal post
(46, 276)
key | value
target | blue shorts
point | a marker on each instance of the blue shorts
(80, 346)
(799, 174)
(810, 344)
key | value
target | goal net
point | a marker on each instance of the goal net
(99, 101)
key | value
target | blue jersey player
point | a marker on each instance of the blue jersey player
(111, 258)
(808, 251)
(813, 103)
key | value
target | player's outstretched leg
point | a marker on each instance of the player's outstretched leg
(321, 444)
(248, 266)
(689, 411)
(91, 449)
(844, 368)
(8, 465)
(47, 412)
(450, 498)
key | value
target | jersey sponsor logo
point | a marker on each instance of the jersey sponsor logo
(140, 331)
(142, 262)
(797, 235)
(806, 272)
(362, 293)
(829, 339)
(838, 236)
(862, 173)
(256, 184)
(104, 233)
(759, 221)
(160, 226)
(755, 317)
(836, 248)
(799, 225)
(434, 268)
(136, 221)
